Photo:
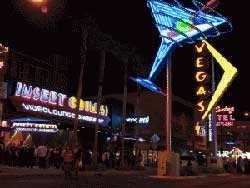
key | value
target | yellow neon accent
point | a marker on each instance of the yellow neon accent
(197, 128)
(12, 137)
(201, 91)
(200, 76)
(81, 105)
(72, 102)
(229, 74)
(94, 108)
(201, 105)
(199, 49)
(200, 62)
(87, 106)
(103, 110)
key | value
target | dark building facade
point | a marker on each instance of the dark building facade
(33, 96)
(149, 108)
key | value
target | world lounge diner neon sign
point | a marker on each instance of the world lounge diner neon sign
(58, 100)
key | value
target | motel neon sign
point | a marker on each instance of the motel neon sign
(224, 116)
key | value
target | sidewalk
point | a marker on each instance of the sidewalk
(150, 172)
(23, 171)
(35, 171)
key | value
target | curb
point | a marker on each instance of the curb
(189, 177)
(177, 177)
(4, 174)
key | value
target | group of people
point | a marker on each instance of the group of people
(69, 159)
(112, 159)
(42, 156)
(29, 156)
(239, 165)
(22, 156)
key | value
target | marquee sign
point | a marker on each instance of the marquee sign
(34, 127)
(52, 103)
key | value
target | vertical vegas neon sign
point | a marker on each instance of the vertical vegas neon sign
(202, 78)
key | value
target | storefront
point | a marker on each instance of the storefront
(38, 111)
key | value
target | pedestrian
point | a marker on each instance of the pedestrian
(190, 171)
(42, 154)
(105, 158)
(247, 165)
(240, 165)
(68, 159)
(77, 153)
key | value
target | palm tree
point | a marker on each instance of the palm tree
(99, 98)
(124, 52)
(84, 35)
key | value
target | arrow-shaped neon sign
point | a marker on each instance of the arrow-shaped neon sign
(229, 74)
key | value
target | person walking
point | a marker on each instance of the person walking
(42, 154)
(247, 165)
(68, 159)
(77, 153)
(240, 166)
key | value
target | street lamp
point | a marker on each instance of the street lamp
(42, 4)
(247, 114)
(38, 2)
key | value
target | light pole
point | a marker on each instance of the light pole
(213, 116)
(168, 103)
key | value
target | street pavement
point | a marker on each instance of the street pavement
(12, 177)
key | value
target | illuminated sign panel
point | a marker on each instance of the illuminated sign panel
(201, 77)
(36, 99)
(229, 74)
(231, 143)
(224, 116)
(56, 99)
(200, 129)
(34, 127)
(178, 25)
(142, 120)
(210, 133)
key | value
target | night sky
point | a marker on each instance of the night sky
(25, 29)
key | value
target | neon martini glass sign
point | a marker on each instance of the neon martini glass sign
(178, 25)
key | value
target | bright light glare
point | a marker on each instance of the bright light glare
(38, 1)
(1, 64)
